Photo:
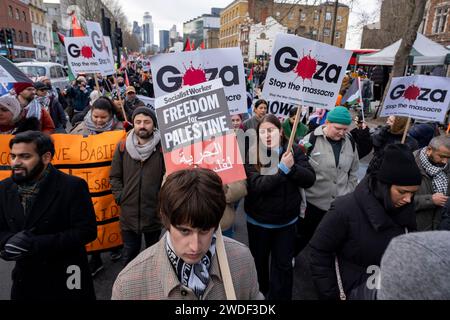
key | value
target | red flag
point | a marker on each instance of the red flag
(202, 45)
(250, 76)
(187, 47)
(61, 38)
(76, 28)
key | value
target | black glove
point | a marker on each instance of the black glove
(18, 246)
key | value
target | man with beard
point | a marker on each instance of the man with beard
(435, 188)
(36, 117)
(132, 102)
(46, 219)
(51, 104)
(136, 175)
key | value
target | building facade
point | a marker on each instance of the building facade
(198, 29)
(54, 18)
(232, 18)
(262, 37)
(315, 21)
(148, 31)
(39, 30)
(15, 15)
(390, 28)
(164, 40)
(309, 21)
(137, 32)
(436, 22)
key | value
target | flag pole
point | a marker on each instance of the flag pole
(360, 99)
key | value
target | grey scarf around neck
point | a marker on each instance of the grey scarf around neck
(142, 152)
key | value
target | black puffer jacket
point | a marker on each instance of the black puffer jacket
(357, 229)
(275, 199)
(381, 140)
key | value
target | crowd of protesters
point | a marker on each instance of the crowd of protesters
(308, 197)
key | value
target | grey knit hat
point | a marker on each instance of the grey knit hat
(416, 266)
(12, 104)
(148, 112)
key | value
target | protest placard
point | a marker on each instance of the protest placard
(305, 72)
(100, 48)
(173, 71)
(419, 97)
(88, 158)
(149, 102)
(145, 65)
(196, 131)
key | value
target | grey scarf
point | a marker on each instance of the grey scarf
(440, 179)
(142, 152)
(109, 126)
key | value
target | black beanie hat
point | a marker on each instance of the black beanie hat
(399, 167)
(148, 112)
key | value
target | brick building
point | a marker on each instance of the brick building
(15, 15)
(436, 21)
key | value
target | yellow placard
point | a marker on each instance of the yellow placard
(90, 159)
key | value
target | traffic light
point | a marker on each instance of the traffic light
(2, 37)
(106, 26)
(9, 38)
(118, 34)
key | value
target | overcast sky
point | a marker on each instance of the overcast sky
(166, 13)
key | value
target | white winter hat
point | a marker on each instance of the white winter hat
(12, 104)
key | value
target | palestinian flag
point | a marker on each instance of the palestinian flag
(10, 73)
(353, 95)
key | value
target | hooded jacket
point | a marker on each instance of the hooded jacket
(357, 229)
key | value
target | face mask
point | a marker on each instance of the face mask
(121, 84)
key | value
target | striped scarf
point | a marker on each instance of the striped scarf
(195, 277)
(440, 179)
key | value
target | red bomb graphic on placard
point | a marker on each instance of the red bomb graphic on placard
(412, 92)
(306, 67)
(193, 76)
(87, 52)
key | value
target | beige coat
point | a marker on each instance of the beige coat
(233, 192)
(331, 181)
(150, 276)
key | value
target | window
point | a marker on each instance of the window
(440, 19)
(278, 13)
(291, 16)
(35, 39)
(17, 14)
(24, 16)
(27, 39)
(53, 73)
(20, 36)
(326, 32)
(302, 16)
(316, 16)
(328, 16)
(337, 34)
(339, 18)
(10, 11)
(314, 32)
(14, 34)
(33, 71)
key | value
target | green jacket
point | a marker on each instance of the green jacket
(302, 130)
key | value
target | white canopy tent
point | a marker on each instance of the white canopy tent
(424, 51)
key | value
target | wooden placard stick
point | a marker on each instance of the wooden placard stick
(224, 266)
(294, 129)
